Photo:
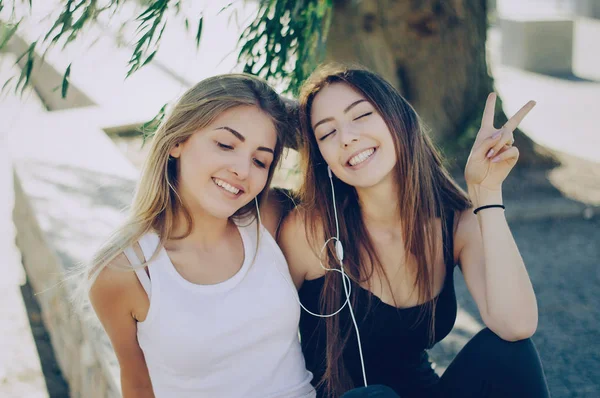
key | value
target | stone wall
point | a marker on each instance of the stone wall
(71, 185)
(66, 203)
(82, 350)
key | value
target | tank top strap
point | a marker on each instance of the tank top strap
(140, 272)
(448, 239)
(149, 243)
(248, 228)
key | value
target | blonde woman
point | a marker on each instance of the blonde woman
(195, 315)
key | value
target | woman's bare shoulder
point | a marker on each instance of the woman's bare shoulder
(280, 202)
(116, 281)
(298, 244)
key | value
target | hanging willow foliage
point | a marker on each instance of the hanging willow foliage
(283, 44)
(286, 40)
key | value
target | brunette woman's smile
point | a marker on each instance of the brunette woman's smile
(361, 158)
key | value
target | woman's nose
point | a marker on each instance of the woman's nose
(348, 136)
(241, 168)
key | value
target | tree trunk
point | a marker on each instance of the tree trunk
(434, 52)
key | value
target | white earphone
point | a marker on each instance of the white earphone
(339, 253)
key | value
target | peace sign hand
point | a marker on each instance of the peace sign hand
(493, 156)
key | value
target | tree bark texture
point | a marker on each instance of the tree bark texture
(434, 52)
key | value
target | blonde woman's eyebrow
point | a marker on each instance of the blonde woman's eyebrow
(240, 137)
(265, 149)
(237, 134)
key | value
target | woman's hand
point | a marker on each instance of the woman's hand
(493, 155)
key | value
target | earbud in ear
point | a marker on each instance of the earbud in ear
(329, 172)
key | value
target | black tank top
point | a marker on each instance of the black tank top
(393, 339)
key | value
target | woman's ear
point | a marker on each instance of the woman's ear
(175, 152)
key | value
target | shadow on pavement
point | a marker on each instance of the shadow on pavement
(55, 383)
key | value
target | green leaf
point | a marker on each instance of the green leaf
(225, 8)
(285, 42)
(7, 32)
(199, 32)
(150, 20)
(162, 30)
(148, 12)
(149, 128)
(24, 77)
(65, 82)
(26, 70)
(149, 59)
(6, 83)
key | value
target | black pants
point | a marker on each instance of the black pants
(487, 367)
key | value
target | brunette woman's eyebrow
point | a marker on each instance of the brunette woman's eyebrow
(352, 105)
(329, 119)
(240, 137)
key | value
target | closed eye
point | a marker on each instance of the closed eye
(260, 164)
(327, 135)
(223, 146)
(357, 118)
(364, 115)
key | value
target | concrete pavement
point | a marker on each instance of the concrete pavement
(563, 260)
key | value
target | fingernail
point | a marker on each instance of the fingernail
(496, 159)
(490, 153)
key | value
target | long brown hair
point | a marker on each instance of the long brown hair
(425, 192)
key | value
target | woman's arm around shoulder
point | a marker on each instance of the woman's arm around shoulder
(274, 209)
(294, 242)
(117, 297)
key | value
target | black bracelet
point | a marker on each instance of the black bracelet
(487, 207)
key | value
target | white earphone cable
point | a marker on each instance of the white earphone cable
(339, 252)
(294, 287)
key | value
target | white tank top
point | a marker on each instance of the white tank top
(238, 338)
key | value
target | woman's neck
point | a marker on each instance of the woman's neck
(379, 205)
(207, 231)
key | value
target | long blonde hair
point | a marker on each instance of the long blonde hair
(156, 202)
